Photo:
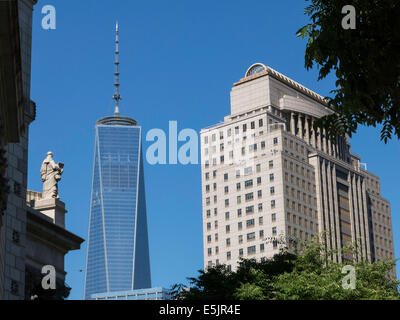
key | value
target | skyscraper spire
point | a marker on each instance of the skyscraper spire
(116, 96)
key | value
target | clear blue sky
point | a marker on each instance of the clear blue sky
(178, 62)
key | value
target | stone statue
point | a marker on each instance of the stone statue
(51, 174)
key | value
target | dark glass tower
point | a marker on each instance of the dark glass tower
(117, 248)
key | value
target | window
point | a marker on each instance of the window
(239, 213)
(275, 141)
(207, 175)
(228, 241)
(250, 223)
(271, 164)
(260, 122)
(208, 213)
(240, 226)
(272, 190)
(228, 228)
(248, 170)
(262, 144)
(238, 186)
(261, 233)
(213, 137)
(252, 125)
(226, 189)
(273, 217)
(238, 199)
(245, 127)
(225, 176)
(251, 236)
(251, 249)
(237, 173)
(271, 177)
(259, 180)
(260, 220)
(249, 196)
(259, 193)
(240, 252)
(258, 167)
(248, 183)
(260, 206)
(208, 238)
(206, 139)
(272, 203)
(228, 255)
(209, 251)
(250, 209)
(226, 215)
(262, 247)
(240, 239)
(274, 231)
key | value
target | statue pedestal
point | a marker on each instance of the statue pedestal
(53, 208)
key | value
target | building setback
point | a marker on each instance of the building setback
(267, 176)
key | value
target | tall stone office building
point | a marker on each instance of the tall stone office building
(17, 111)
(117, 251)
(29, 237)
(267, 175)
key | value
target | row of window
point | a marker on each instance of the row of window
(298, 234)
(252, 148)
(229, 267)
(303, 222)
(246, 171)
(247, 184)
(249, 224)
(382, 229)
(250, 250)
(301, 183)
(236, 131)
(247, 197)
(249, 237)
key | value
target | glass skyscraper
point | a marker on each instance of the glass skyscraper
(118, 251)
(117, 248)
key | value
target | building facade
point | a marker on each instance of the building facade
(140, 294)
(17, 111)
(118, 250)
(29, 239)
(267, 175)
(47, 243)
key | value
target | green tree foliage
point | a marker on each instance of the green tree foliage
(302, 276)
(366, 62)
